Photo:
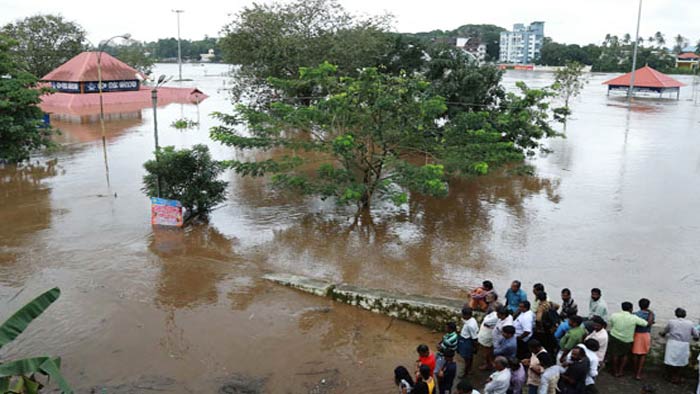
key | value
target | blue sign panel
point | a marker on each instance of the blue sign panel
(112, 86)
(68, 87)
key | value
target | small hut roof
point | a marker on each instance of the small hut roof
(83, 68)
(646, 77)
(688, 55)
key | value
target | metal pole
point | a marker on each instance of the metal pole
(179, 47)
(102, 113)
(630, 92)
(154, 100)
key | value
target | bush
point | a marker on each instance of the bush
(187, 175)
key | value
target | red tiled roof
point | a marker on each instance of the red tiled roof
(688, 55)
(646, 77)
(83, 67)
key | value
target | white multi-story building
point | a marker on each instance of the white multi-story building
(474, 47)
(523, 44)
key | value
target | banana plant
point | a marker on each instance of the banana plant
(20, 376)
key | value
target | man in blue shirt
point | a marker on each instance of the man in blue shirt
(507, 345)
(514, 296)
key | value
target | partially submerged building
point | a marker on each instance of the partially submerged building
(76, 85)
(646, 80)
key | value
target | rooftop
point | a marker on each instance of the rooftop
(645, 77)
(83, 68)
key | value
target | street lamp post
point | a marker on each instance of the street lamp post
(179, 47)
(154, 100)
(630, 92)
(100, 47)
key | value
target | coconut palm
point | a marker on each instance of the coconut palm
(659, 38)
(626, 39)
(681, 43)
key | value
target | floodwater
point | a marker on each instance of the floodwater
(616, 206)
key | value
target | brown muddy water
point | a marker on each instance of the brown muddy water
(616, 206)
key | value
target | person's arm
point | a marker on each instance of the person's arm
(640, 321)
(666, 330)
(651, 319)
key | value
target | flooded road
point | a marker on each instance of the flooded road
(614, 206)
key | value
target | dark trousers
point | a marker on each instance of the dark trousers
(523, 351)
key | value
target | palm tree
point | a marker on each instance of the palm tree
(626, 39)
(681, 42)
(660, 40)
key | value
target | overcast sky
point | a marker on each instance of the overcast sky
(569, 21)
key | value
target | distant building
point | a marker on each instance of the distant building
(207, 57)
(473, 46)
(688, 60)
(523, 44)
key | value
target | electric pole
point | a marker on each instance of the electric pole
(630, 92)
(179, 46)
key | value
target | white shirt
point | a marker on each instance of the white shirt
(524, 324)
(470, 329)
(500, 382)
(498, 328)
(602, 338)
(592, 359)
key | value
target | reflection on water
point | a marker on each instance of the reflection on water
(617, 196)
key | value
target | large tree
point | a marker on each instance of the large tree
(21, 126)
(45, 42)
(275, 40)
(377, 135)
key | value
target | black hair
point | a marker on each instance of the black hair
(525, 303)
(425, 371)
(599, 320)
(464, 385)
(509, 330)
(448, 353)
(538, 287)
(487, 284)
(592, 344)
(517, 282)
(566, 290)
(514, 363)
(680, 313)
(401, 373)
(451, 325)
(422, 348)
(644, 303)
(576, 319)
(420, 388)
(467, 311)
(648, 389)
(596, 290)
(627, 306)
(503, 311)
(533, 344)
(541, 296)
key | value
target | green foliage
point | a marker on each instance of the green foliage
(379, 135)
(569, 81)
(21, 376)
(21, 126)
(276, 40)
(133, 53)
(166, 48)
(187, 175)
(45, 42)
(488, 34)
(465, 85)
(183, 124)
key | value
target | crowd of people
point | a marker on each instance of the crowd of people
(545, 347)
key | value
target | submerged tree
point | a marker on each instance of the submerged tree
(21, 125)
(187, 175)
(377, 135)
(45, 42)
(568, 83)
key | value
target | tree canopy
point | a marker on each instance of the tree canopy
(377, 135)
(44, 42)
(21, 126)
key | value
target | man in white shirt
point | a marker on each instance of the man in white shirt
(499, 381)
(467, 338)
(523, 328)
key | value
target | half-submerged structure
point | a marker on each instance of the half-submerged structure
(76, 85)
(646, 80)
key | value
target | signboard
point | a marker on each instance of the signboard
(68, 87)
(111, 86)
(166, 212)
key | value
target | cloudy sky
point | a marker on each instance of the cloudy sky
(570, 21)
